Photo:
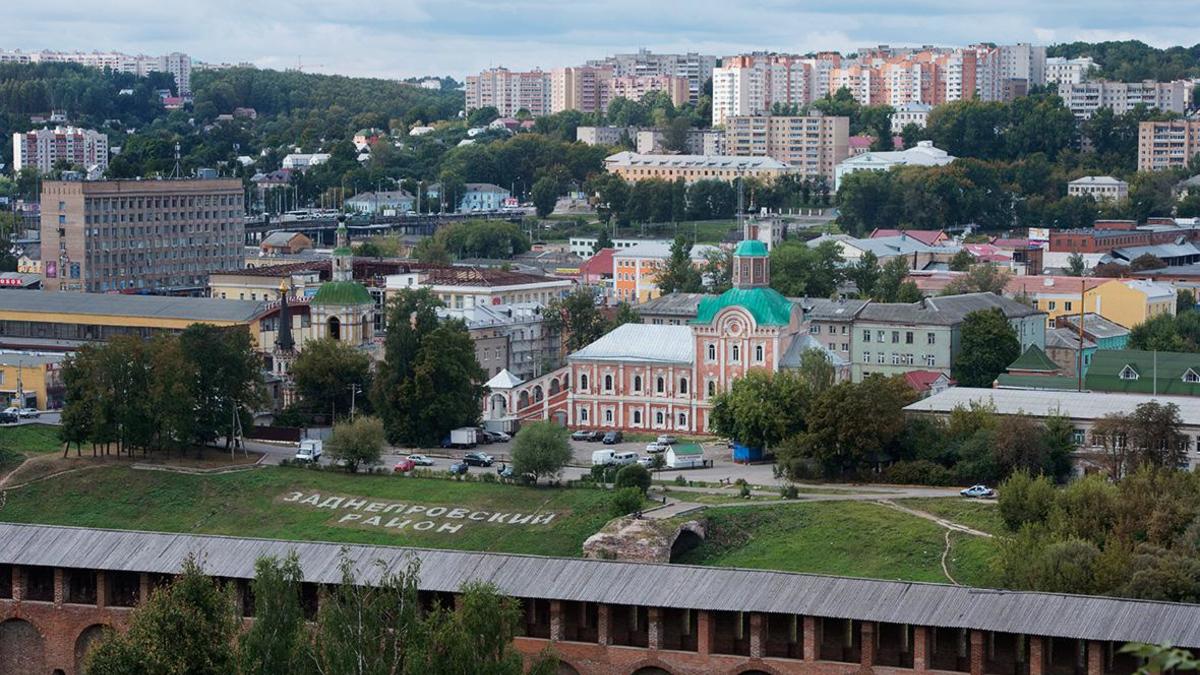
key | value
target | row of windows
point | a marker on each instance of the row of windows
(909, 337)
(899, 359)
(660, 417)
(735, 353)
(114, 204)
(660, 384)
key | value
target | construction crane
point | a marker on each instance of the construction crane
(300, 65)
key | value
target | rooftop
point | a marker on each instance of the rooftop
(947, 310)
(1034, 360)
(927, 237)
(483, 276)
(766, 305)
(683, 305)
(1164, 373)
(114, 304)
(643, 343)
(751, 248)
(1085, 405)
(1096, 325)
(924, 154)
(1066, 338)
(1075, 617)
(1097, 181)
(342, 293)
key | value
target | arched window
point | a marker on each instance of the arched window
(637, 382)
(712, 352)
(637, 416)
(735, 353)
(660, 385)
(683, 385)
(335, 328)
(583, 382)
(758, 353)
(682, 420)
(608, 415)
(712, 388)
(658, 417)
(583, 414)
(608, 383)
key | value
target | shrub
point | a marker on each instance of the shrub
(489, 477)
(744, 492)
(740, 481)
(680, 480)
(918, 472)
(1024, 499)
(633, 475)
(625, 501)
(789, 492)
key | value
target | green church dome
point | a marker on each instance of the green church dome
(751, 248)
(766, 305)
(342, 293)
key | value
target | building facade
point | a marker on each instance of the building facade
(177, 64)
(511, 337)
(698, 142)
(1085, 98)
(636, 269)
(1099, 188)
(587, 89)
(1167, 145)
(633, 166)
(509, 91)
(1061, 70)
(693, 67)
(924, 154)
(100, 236)
(813, 144)
(41, 149)
(910, 113)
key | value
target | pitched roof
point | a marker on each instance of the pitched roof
(683, 305)
(280, 238)
(927, 237)
(1097, 181)
(946, 310)
(627, 158)
(1034, 360)
(503, 380)
(923, 380)
(644, 343)
(1067, 338)
(766, 305)
(1076, 617)
(1158, 372)
(1047, 283)
(599, 264)
(117, 304)
(804, 342)
(1085, 405)
(1052, 382)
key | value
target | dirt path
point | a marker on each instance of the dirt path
(948, 524)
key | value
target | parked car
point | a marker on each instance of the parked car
(458, 468)
(28, 413)
(13, 410)
(654, 448)
(7, 417)
(666, 439)
(646, 461)
(602, 457)
(623, 458)
(478, 459)
(420, 460)
(978, 492)
(404, 466)
(582, 435)
(613, 437)
(309, 450)
(495, 436)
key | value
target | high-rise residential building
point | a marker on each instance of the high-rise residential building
(813, 144)
(1061, 70)
(696, 68)
(583, 88)
(1167, 145)
(1084, 98)
(751, 84)
(175, 63)
(698, 142)
(1023, 61)
(509, 91)
(41, 148)
(634, 87)
(100, 236)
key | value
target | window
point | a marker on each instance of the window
(608, 415)
(1067, 306)
(1128, 373)
(1191, 376)
(895, 337)
(608, 383)
(845, 329)
(1077, 436)
(896, 359)
(866, 336)
(637, 382)
(682, 420)
(758, 353)
(583, 415)
(658, 418)
(637, 416)
(683, 385)
(1053, 304)
(735, 354)
(931, 338)
(832, 330)
(814, 329)
(712, 352)
(930, 360)
(866, 357)
(879, 357)
(712, 388)
(660, 385)
(583, 382)
(881, 336)
(908, 337)
(845, 346)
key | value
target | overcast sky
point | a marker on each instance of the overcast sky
(402, 38)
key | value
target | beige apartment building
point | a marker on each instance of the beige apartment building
(691, 168)
(129, 235)
(582, 88)
(813, 144)
(509, 91)
(1167, 145)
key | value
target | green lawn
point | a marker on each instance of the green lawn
(840, 538)
(30, 439)
(251, 503)
(980, 515)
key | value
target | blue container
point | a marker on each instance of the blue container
(743, 454)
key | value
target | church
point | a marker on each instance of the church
(662, 378)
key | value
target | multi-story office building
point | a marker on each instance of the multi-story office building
(1085, 98)
(1167, 145)
(41, 148)
(695, 68)
(814, 144)
(509, 91)
(1061, 70)
(175, 63)
(101, 236)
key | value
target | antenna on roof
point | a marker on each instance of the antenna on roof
(177, 172)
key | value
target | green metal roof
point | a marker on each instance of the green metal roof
(342, 293)
(751, 248)
(1171, 368)
(766, 305)
(687, 449)
(343, 250)
(1055, 382)
(1034, 360)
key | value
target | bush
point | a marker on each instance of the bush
(604, 473)
(357, 442)
(789, 492)
(744, 493)
(633, 475)
(1024, 499)
(541, 449)
(680, 480)
(918, 472)
(625, 501)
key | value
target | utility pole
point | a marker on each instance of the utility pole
(355, 389)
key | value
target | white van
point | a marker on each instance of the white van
(623, 458)
(309, 451)
(603, 457)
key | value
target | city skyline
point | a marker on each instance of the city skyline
(416, 37)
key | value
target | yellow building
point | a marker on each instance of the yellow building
(691, 168)
(1130, 302)
(36, 376)
(1054, 295)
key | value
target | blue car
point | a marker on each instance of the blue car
(459, 468)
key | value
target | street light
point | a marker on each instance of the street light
(355, 389)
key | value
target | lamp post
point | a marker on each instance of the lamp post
(355, 389)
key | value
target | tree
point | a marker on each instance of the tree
(962, 261)
(625, 501)
(185, 628)
(989, 344)
(800, 270)
(836, 435)
(1146, 261)
(675, 135)
(276, 643)
(625, 314)
(1185, 300)
(1025, 499)
(1156, 437)
(892, 282)
(1076, 265)
(576, 318)
(985, 278)
(325, 373)
(482, 116)
(544, 196)
(816, 371)
(761, 409)
(603, 241)
(357, 442)
(679, 275)
(717, 270)
(228, 378)
(541, 449)
(633, 475)
(865, 273)
(1159, 333)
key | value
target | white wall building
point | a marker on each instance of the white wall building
(1061, 70)
(922, 155)
(1085, 98)
(1100, 188)
(176, 63)
(910, 113)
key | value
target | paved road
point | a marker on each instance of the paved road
(47, 417)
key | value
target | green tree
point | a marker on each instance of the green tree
(800, 270)
(985, 278)
(325, 373)
(357, 442)
(625, 314)
(1146, 261)
(1076, 265)
(625, 501)
(989, 344)
(228, 381)
(482, 116)
(576, 318)
(835, 434)
(545, 195)
(865, 273)
(675, 135)
(717, 270)
(679, 275)
(816, 371)
(541, 449)
(185, 628)
(893, 284)
(277, 642)
(633, 475)
(761, 409)
(962, 261)
(1159, 333)
(1025, 500)
(1185, 300)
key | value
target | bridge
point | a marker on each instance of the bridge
(321, 230)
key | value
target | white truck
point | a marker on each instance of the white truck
(309, 450)
(462, 437)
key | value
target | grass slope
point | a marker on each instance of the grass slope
(840, 538)
(30, 439)
(249, 504)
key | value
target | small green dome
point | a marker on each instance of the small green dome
(751, 248)
(766, 305)
(342, 293)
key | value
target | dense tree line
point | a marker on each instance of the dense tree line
(169, 393)
(192, 625)
(1133, 60)
(473, 239)
(1179, 332)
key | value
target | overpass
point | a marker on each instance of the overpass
(61, 587)
(321, 230)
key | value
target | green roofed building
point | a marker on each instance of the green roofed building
(342, 308)
(1139, 372)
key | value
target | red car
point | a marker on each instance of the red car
(405, 465)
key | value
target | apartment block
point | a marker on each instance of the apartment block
(608, 135)
(699, 142)
(1061, 70)
(41, 148)
(583, 88)
(693, 67)
(813, 144)
(509, 91)
(1085, 98)
(634, 87)
(101, 236)
(175, 63)
(1167, 145)
(751, 84)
